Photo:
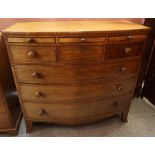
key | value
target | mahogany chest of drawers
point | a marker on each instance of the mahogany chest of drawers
(75, 72)
(10, 111)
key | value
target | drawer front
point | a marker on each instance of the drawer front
(75, 74)
(85, 39)
(54, 93)
(4, 121)
(128, 38)
(75, 112)
(32, 54)
(124, 50)
(82, 53)
(31, 40)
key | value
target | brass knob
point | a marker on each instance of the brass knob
(115, 104)
(30, 40)
(123, 69)
(41, 112)
(31, 54)
(119, 87)
(127, 50)
(38, 94)
(35, 75)
(129, 37)
(83, 39)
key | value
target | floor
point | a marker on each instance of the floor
(141, 122)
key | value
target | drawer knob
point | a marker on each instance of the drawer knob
(38, 94)
(35, 75)
(115, 104)
(129, 37)
(41, 112)
(30, 40)
(83, 39)
(119, 87)
(123, 69)
(31, 54)
(127, 51)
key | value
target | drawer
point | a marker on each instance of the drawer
(4, 121)
(62, 74)
(82, 53)
(128, 38)
(33, 54)
(31, 40)
(124, 50)
(75, 112)
(54, 93)
(85, 39)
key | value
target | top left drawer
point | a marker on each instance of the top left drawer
(31, 40)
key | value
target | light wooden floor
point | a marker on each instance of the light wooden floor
(141, 123)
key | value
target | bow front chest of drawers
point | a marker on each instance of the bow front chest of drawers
(75, 72)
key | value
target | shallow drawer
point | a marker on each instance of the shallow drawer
(75, 74)
(124, 50)
(128, 38)
(4, 121)
(32, 54)
(82, 53)
(75, 112)
(31, 40)
(54, 93)
(85, 39)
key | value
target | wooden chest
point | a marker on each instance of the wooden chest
(75, 72)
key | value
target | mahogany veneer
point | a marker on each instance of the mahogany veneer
(75, 72)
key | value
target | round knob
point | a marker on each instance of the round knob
(115, 104)
(35, 75)
(129, 37)
(31, 54)
(38, 94)
(41, 112)
(29, 40)
(83, 39)
(127, 51)
(119, 87)
(123, 69)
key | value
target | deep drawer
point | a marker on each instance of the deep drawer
(62, 74)
(54, 93)
(33, 54)
(77, 112)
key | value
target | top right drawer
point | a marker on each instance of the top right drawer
(127, 37)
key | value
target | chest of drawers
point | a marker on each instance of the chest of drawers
(75, 72)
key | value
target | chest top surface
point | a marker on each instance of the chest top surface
(73, 27)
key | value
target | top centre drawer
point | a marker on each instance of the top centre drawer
(82, 39)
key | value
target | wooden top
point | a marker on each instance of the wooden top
(73, 26)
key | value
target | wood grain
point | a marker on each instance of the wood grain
(72, 26)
